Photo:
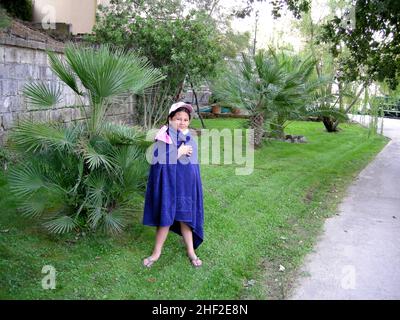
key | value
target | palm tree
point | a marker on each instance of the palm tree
(242, 86)
(273, 87)
(87, 174)
(295, 91)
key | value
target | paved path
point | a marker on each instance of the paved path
(358, 254)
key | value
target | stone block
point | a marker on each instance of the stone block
(7, 121)
(15, 116)
(22, 71)
(34, 71)
(2, 59)
(67, 100)
(50, 74)
(21, 85)
(40, 115)
(11, 70)
(42, 72)
(81, 114)
(55, 115)
(11, 55)
(40, 58)
(25, 116)
(4, 74)
(66, 114)
(26, 56)
(19, 104)
(5, 104)
(9, 88)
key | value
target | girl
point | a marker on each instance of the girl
(174, 195)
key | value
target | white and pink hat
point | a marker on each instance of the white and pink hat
(162, 134)
(181, 104)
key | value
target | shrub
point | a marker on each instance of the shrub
(85, 175)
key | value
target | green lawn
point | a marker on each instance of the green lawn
(253, 224)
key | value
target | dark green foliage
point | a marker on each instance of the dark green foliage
(273, 87)
(89, 174)
(21, 9)
(177, 44)
(373, 41)
(295, 6)
(5, 20)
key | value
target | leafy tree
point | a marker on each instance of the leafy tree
(183, 44)
(87, 174)
(372, 38)
(369, 29)
(297, 7)
(234, 43)
(175, 42)
(336, 91)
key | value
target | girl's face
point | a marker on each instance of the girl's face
(180, 121)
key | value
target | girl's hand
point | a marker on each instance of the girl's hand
(185, 150)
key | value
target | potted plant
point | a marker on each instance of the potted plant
(236, 110)
(215, 108)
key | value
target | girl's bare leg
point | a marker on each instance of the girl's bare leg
(161, 236)
(188, 238)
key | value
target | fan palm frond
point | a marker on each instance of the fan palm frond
(33, 207)
(135, 176)
(61, 224)
(96, 152)
(94, 159)
(35, 136)
(96, 183)
(125, 155)
(26, 179)
(95, 214)
(119, 134)
(106, 72)
(42, 95)
(114, 221)
(63, 72)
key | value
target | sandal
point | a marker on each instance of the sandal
(196, 262)
(149, 262)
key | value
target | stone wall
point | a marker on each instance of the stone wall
(23, 59)
(203, 94)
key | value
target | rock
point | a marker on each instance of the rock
(249, 283)
(301, 139)
(295, 139)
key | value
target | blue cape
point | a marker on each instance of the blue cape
(174, 190)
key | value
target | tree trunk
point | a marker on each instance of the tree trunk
(178, 93)
(197, 105)
(277, 130)
(330, 124)
(257, 124)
